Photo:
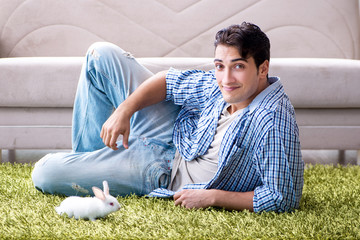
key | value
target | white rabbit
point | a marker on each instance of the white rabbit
(90, 207)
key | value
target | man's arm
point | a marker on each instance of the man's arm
(203, 198)
(150, 92)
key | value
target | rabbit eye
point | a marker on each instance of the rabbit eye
(112, 204)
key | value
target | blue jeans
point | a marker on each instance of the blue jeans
(108, 76)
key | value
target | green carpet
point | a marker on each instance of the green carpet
(330, 209)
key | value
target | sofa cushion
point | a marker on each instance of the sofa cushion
(319, 83)
(38, 82)
(52, 82)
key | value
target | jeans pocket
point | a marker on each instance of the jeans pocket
(156, 175)
(157, 172)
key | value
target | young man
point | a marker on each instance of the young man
(225, 138)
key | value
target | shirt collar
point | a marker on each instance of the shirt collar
(274, 83)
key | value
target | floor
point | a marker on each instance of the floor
(309, 156)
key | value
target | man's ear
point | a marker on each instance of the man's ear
(264, 69)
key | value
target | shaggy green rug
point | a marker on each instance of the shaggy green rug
(330, 209)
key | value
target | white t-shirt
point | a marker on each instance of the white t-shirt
(203, 168)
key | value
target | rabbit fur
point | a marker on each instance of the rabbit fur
(90, 207)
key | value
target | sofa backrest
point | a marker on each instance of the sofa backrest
(186, 28)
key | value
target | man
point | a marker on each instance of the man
(234, 130)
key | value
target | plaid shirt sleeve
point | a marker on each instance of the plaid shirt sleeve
(280, 165)
(190, 86)
(197, 92)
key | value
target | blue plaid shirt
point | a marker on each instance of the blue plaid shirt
(260, 151)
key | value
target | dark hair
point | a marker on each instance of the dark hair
(248, 39)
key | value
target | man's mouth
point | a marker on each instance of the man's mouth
(229, 88)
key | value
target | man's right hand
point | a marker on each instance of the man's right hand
(117, 124)
(150, 92)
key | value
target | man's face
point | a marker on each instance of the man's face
(238, 78)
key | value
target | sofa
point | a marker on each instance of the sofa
(315, 49)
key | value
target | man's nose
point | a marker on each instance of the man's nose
(228, 78)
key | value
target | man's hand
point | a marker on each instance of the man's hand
(200, 198)
(150, 92)
(203, 198)
(117, 124)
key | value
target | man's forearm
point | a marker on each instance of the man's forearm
(150, 92)
(233, 200)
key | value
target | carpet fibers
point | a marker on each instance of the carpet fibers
(329, 209)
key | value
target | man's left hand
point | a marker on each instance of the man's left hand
(199, 198)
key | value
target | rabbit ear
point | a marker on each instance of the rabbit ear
(99, 193)
(106, 188)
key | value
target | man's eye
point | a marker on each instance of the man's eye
(218, 66)
(239, 66)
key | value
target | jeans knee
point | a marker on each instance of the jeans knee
(41, 175)
(98, 49)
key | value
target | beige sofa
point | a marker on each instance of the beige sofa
(315, 51)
